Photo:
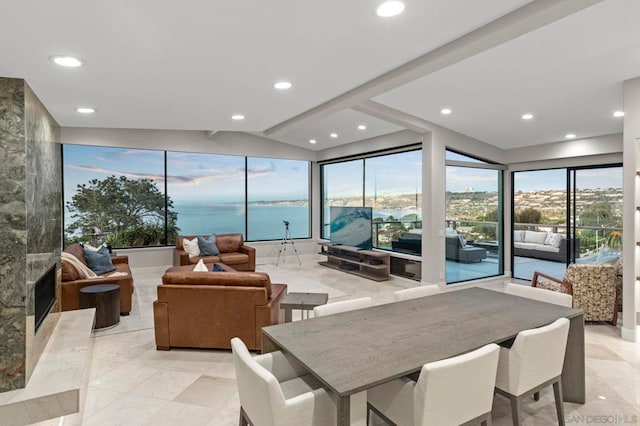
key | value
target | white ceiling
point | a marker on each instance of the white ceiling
(155, 64)
(345, 123)
(568, 74)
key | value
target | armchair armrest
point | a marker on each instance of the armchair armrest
(565, 284)
(251, 252)
(180, 257)
(119, 259)
(283, 367)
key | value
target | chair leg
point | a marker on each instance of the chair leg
(515, 410)
(557, 393)
(243, 418)
(536, 396)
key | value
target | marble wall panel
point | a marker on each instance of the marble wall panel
(30, 224)
(44, 213)
(13, 235)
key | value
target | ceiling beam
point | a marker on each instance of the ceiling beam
(521, 21)
(392, 115)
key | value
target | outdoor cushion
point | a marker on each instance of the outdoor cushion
(535, 237)
(550, 249)
(518, 236)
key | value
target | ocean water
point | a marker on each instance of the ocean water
(265, 220)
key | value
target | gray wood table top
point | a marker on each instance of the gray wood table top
(352, 351)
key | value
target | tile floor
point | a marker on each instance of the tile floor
(130, 383)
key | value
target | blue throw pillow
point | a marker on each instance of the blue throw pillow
(218, 268)
(99, 261)
(208, 246)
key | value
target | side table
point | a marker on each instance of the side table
(106, 299)
(302, 301)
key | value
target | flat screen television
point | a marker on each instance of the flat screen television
(351, 226)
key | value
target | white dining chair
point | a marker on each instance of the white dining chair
(343, 306)
(449, 392)
(533, 362)
(539, 294)
(416, 292)
(277, 391)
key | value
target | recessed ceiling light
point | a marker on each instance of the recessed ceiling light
(237, 117)
(334, 135)
(618, 114)
(527, 116)
(85, 110)
(67, 61)
(362, 127)
(570, 136)
(282, 85)
(445, 111)
(312, 141)
(390, 8)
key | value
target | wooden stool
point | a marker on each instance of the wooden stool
(106, 299)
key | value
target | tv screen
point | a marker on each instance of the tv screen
(351, 226)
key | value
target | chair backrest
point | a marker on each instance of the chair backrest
(539, 294)
(536, 356)
(415, 292)
(344, 306)
(594, 289)
(260, 393)
(458, 389)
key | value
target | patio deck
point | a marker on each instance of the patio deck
(524, 268)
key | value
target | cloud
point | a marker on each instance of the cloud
(262, 170)
(116, 172)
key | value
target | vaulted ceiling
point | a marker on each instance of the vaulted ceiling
(191, 65)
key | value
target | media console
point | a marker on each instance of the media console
(374, 265)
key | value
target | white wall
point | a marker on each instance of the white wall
(631, 229)
(229, 143)
(390, 141)
(575, 153)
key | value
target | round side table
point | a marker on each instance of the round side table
(106, 299)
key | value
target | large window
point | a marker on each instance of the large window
(277, 192)
(117, 196)
(391, 184)
(567, 215)
(207, 191)
(342, 185)
(473, 237)
(114, 195)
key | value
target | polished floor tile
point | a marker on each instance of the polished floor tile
(131, 383)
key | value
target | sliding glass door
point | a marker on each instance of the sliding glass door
(564, 216)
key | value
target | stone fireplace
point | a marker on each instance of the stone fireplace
(30, 227)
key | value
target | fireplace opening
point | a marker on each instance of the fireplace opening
(45, 295)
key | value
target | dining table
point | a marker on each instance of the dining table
(353, 351)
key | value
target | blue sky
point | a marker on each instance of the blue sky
(190, 176)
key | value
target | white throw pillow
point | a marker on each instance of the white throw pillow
(200, 267)
(535, 237)
(553, 240)
(191, 247)
(518, 236)
(92, 248)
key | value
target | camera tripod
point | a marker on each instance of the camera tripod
(286, 239)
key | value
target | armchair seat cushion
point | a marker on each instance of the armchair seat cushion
(205, 259)
(234, 258)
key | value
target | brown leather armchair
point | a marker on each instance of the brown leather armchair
(208, 309)
(72, 283)
(232, 250)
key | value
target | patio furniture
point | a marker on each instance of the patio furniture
(594, 287)
(458, 250)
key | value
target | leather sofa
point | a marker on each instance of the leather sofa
(232, 250)
(208, 309)
(72, 283)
